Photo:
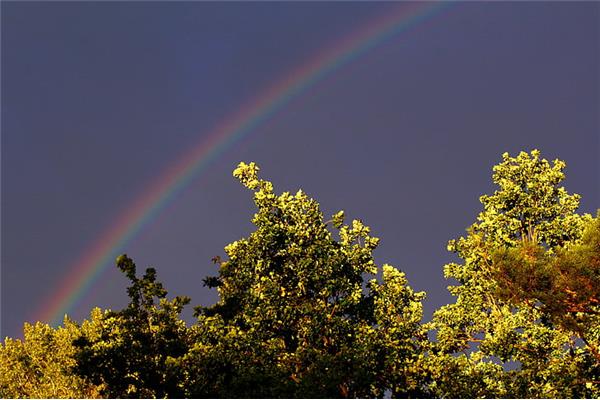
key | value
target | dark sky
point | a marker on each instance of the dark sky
(99, 98)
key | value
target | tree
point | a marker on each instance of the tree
(496, 346)
(296, 315)
(136, 352)
(41, 365)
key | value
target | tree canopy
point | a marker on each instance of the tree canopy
(305, 311)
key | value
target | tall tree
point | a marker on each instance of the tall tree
(297, 316)
(496, 346)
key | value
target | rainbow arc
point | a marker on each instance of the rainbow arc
(100, 255)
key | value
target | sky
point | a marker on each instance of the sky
(98, 100)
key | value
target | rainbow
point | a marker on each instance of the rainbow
(96, 259)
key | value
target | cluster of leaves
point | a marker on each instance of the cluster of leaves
(41, 365)
(304, 311)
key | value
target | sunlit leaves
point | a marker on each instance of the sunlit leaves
(41, 365)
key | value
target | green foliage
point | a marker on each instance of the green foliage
(40, 366)
(296, 315)
(304, 311)
(529, 218)
(135, 352)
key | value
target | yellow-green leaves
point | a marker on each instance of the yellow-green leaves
(529, 203)
(40, 365)
(338, 219)
(247, 174)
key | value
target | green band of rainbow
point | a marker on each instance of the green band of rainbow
(98, 257)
